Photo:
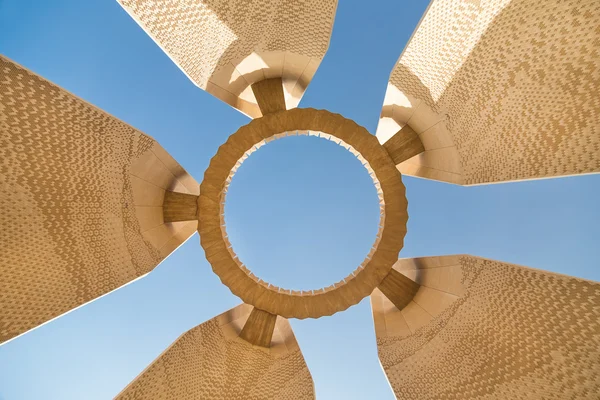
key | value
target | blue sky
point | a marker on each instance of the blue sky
(284, 208)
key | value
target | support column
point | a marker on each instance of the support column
(259, 327)
(269, 95)
(399, 289)
(180, 207)
(404, 144)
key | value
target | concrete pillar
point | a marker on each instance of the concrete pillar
(404, 144)
(399, 289)
(180, 207)
(258, 330)
(269, 95)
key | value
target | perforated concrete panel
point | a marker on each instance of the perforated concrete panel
(483, 329)
(499, 91)
(226, 46)
(80, 201)
(211, 361)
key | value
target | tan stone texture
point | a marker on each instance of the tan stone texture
(483, 329)
(398, 288)
(210, 361)
(404, 145)
(500, 90)
(307, 303)
(269, 95)
(259, 328)
(80, 201)
(179, 206)
(226, 46)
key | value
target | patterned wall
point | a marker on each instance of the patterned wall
(80, 201)
(511, 333)
(501, 90)
(211, 362)
(223, 46)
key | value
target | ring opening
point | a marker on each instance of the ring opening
(315, 219)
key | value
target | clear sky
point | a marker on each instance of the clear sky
(301, 211)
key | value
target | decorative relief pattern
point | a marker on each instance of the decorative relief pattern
(73, 187)
(515, 333)
(306, 303)
(211, 362)
(225, 46)
(515, 83)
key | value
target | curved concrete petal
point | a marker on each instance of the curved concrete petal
(81, 202)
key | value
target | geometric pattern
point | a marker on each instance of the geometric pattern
(211, 361)
(302, 303)
(500, 91)
(81, 198)
(513, 332)
(225, 46)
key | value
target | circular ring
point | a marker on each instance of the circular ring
(313, 303)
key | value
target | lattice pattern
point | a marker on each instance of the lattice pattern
(203, 36)
(517, 82)
(70, 228)
(208, 363)
(235, 43)
(515, 333)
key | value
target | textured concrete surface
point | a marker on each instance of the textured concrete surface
(81, 197)
(226, 46)
(307, 303)
(499, 91)
(211, 361)
(483, 329)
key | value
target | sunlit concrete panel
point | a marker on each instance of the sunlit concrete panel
(81, 197)
(211, 361)
(226, 46)
(499, 91)
(479, 328)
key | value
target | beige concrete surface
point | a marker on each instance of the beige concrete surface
(179, 206)
(309, 303)
(499, 90)
(225, 47)
(81, 197)
(484, 329)
(211, 361)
